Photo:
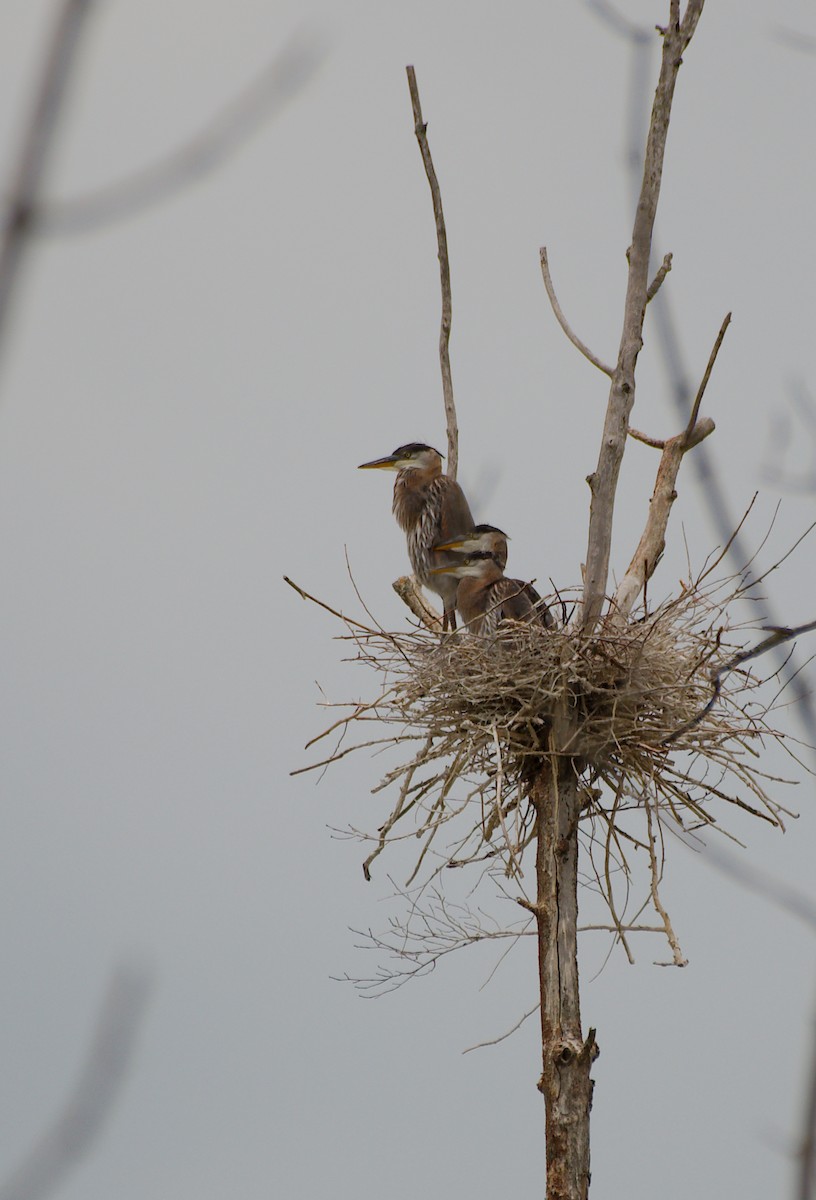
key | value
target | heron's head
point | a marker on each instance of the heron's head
(473, 565)
(414, 456)
(488, 538)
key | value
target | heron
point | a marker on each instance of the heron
(489, 539)
(481, 537)
(430, 508)
(486, 597)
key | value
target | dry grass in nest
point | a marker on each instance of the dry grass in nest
(472, 719)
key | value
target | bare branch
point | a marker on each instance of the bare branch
(37, 142)
(562, 320)
(656, 443)
(653, 540)
(651, 545)
(78, 1125)
(222, 136)
(410, 593)
(603, 482)
(420, 129)
(712, 358)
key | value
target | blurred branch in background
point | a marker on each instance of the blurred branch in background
(680, 384)
(217, 140)
(793, 39)
(784, 438)
(35, 145)
(803, 907)
(27, 214)
(78, 1126)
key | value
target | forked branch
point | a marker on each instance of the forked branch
(603, 482)
(651, 545)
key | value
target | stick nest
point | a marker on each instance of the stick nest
(471, 720)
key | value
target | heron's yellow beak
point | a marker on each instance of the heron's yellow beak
(389, 463)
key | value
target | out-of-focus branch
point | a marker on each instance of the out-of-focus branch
(776, 637)
(807, 1148)
(603, 482)
(421, 131)
(77, 1128)
(782, 434)
(794, 39)
(562, 320)
(621, 25)
(795, 902)
(37, 140)
(223, 135)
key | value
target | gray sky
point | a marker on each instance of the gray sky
(185, 397)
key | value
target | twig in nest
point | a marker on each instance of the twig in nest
(470, 722)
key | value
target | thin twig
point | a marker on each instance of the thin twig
(504, 1036)
(327, 607)
(420, 129)
(677, 953)
(777, 638)
(562, 320)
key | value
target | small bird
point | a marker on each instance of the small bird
(489, 539)
(486, 597)
(430, 508)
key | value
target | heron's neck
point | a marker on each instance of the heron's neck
(411, 495)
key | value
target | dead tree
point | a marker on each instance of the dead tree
(587, 739)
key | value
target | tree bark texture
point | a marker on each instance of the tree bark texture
(567, 1057)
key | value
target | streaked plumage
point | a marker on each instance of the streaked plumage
(429, 508)
(486, 597)
(488, 539)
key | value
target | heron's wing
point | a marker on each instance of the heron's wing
(509, 599)
(542, 613)
(455, 517)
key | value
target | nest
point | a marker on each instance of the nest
(663, 730)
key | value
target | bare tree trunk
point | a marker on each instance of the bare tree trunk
(567, 1058)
